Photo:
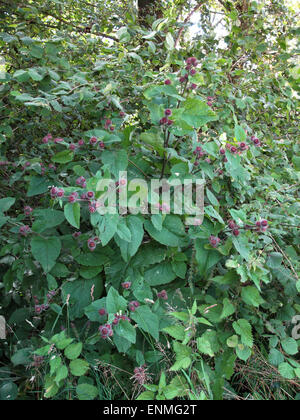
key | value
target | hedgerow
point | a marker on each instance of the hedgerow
(122, 306)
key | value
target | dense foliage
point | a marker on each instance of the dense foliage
(125, 306)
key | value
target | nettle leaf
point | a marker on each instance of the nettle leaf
(183, 356)
(176, 331)
(244, 329)
(204, 346)
(46, 251)
(251, 296)
(147, 320)
(72, 214)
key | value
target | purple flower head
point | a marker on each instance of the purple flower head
(162, 295)
(24, 230)
(214, 241)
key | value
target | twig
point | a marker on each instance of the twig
(132, 163)
(285, 256)
(186, 20)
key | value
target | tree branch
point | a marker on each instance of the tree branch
(186, 20)
(81, 29)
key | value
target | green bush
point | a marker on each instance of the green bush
(181, 309)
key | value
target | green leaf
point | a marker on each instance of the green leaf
(172, 233)
(275, 260)
(157, 221)
(8, 391)
(72, 214)
(73, 351)
(46, 219)
(6, 203)
(115, 302)
(160, 274)
(209, 210)
(204, 346)
(92, 259)
(51, 387)
(108, 227)
(116, 160)
(244, 329)
(79, 367)
(290, 346)
(286, 370)
(46, 251)
(146, 396)
(175, 331)
(240, 133)
(276, 357)
(63, 157)
(136, 229)
(61, 374)
(86, 392)
(122, 344)
(242, 247)
(126, 330)
(80, 294)
(197, 113)
(183, 356)
(55, 363)
(243, 352)
(38, 185)
(170, 43)
(232, 341)
(22, 357)
(147, 320)
(123, 231)
(251, 296)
